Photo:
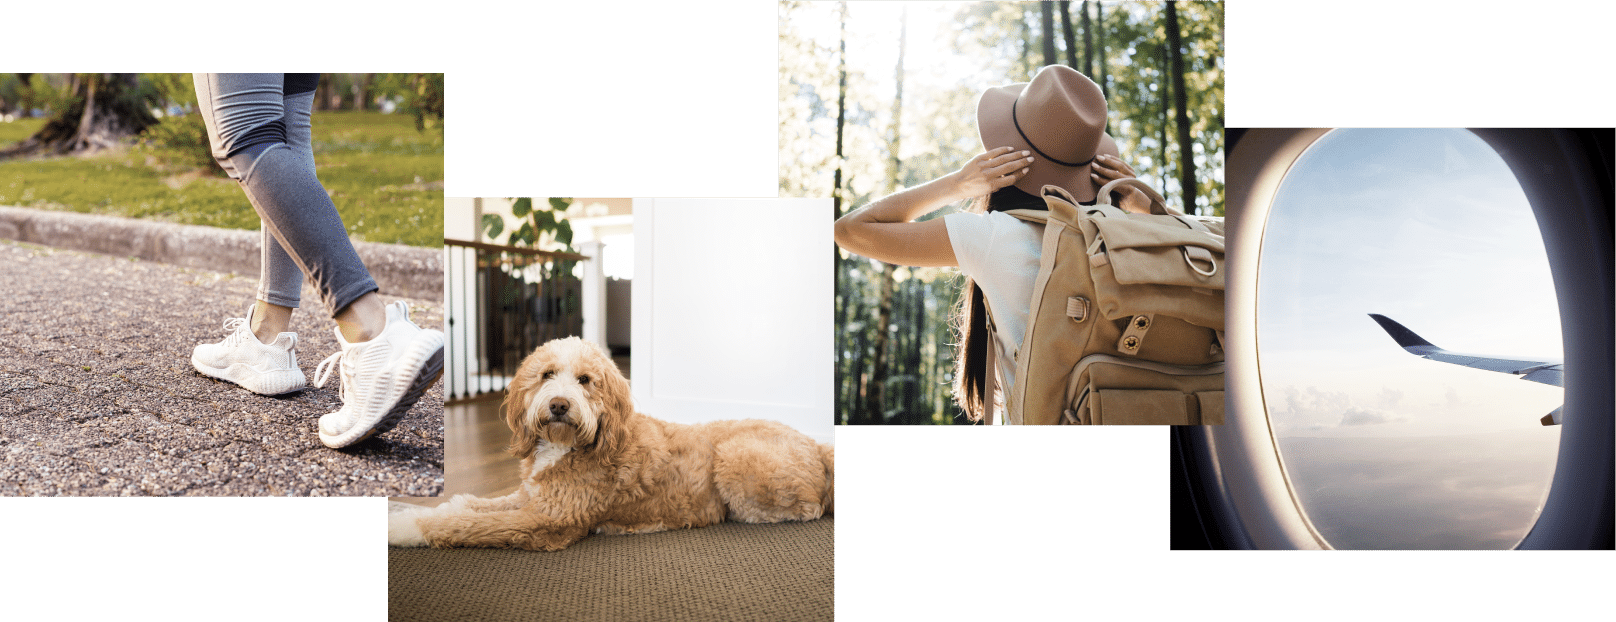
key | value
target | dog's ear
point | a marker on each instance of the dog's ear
(517, 395)
(616, 401)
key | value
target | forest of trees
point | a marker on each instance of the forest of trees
(93, 111)
(875, 98)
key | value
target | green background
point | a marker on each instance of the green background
(677, 99)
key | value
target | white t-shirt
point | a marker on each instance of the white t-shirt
(1001, 254)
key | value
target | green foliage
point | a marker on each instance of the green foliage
(544, 227)
(41, 91)
(1138, 82)
(420, 94)
(172, 89)
(13, 93)
(385, 178)
(425, 100)
(494, 225)
(180, 142)
(541, 226)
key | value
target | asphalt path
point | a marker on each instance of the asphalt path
(98, 396)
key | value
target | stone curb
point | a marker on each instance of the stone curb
(399, 270)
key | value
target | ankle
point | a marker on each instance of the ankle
(353, 333)
(362, 320)
(266, 336)
(269, 321)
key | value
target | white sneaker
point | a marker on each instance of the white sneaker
(381, 378)
(266, 369)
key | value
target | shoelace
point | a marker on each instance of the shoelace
(236, 326)
(322, 372)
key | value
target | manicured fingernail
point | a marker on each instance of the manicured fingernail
(1026, 153)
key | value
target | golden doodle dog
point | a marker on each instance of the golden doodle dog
(590, 464)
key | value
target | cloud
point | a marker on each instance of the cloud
(1365, 416)
(1314, 400)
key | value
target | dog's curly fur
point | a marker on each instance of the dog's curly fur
(592, 464)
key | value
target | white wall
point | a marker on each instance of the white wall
(732, 311)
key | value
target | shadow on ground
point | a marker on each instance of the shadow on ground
(98, 396)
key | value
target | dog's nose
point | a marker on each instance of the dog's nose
(558, 409)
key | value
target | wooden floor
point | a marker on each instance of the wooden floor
(475, 458)
(474, 441)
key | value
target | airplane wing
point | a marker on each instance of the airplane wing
(1544, 371)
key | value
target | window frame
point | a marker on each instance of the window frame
(1232, 474)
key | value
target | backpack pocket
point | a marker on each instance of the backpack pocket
(1110, 390)
(1156, 264)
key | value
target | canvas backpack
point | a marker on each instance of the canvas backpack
(1126, 321)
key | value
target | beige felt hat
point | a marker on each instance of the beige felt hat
(1059, 117)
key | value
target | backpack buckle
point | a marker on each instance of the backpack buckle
(1077, 308)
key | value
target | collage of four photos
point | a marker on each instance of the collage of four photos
(619, 395)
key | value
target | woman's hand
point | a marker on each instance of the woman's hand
(991, 171)
(886, 230)
(1108, 168)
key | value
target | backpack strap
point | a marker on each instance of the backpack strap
(1195, 256)
(1158, 205)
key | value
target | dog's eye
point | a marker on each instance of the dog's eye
(549, 374)
(583, 379)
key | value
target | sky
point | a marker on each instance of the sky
(1429, 228)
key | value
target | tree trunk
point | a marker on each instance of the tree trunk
(322, 93)
(1099, 41)
(1088, 42)
(883, 335)
(916, 404)
(362, 100)
(841, 115)
(1026, 46)
(1162, 140)
(854, 371)
(873, 405)
(846, 377)
(841, 122)
(1186, 151)
(25, 95)
(895, 181)
(106, 110)
(1065, 7)
(1046, 13)
(858, 378)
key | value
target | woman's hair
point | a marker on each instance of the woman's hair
(971, 320)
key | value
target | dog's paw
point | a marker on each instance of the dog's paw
(403, 532)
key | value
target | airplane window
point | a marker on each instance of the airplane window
(1391, 440)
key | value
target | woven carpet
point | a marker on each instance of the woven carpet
(730, 571)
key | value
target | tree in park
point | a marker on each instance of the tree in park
(104, 109)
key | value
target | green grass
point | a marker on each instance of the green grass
(18, 131)
(385, 178)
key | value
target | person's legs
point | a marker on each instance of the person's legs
(258, 353)
(280, 280)
(269, 320)
(386, 360)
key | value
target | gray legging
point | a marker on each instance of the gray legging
(260, 135)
